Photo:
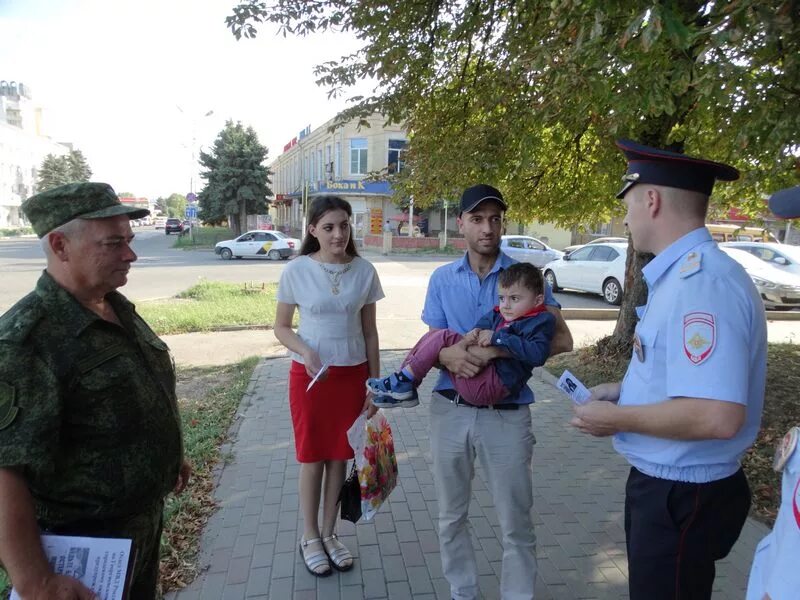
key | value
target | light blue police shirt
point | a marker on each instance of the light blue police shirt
(703, 334)
(776, 564)
(457, 298)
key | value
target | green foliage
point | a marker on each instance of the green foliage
(60, 170)
(236, 175)
(52, 173)
(531, 95)
(176, 205)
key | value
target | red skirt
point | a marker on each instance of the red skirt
(322, 416)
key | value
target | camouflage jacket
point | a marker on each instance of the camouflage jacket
(88, 411)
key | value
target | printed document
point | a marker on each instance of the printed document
(101, 564)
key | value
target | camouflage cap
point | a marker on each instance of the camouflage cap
(88, 200)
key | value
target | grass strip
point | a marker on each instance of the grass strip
(203, 237)
(781, 411)
(208, 398)
(211, 305)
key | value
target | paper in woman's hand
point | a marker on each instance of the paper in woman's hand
(319, 374)
(572, 387)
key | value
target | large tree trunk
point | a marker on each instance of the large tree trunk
(242, 215)
(621, 341)
(235, 226)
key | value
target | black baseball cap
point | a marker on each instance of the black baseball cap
(786, 203)
(476, 194)
(671, 169)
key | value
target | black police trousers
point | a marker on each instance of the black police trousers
(675, 531)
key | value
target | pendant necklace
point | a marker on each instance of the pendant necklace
(335, 276)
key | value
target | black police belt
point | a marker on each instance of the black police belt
(458, 400)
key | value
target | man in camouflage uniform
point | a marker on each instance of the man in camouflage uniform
(90, 438)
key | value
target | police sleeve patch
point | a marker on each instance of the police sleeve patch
(8, 407)
(699, 336)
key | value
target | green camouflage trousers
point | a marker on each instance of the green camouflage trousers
(145, 531)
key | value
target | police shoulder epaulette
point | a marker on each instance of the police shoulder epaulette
(17, 324)
(785, 449)
(691, 264)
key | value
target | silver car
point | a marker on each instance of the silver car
(778, 288)
(780, 256)
(528, 249)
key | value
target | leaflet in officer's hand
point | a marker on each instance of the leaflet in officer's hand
(104, 565)
(572, 387)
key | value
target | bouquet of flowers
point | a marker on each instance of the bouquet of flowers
(372, 443)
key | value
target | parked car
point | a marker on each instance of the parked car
(601, 240)
(173, 225)
(597, 268)
(529, 249)
(780, 256)
(778, 289)
(270, 244)
(159, 222)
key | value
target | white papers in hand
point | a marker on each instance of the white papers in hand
(101, 564)
(572, 387)
(319, 374)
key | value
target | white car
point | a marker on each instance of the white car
(596, 268)
(259, 244)
(602, 240)
(529, 250)
(781, 256)
(778, 289)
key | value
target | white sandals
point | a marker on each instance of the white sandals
(315, 560)
(339, 555)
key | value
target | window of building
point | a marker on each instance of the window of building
(338, 159)
(396, 159)
(328, 162)
(358, 156)
(320, 169)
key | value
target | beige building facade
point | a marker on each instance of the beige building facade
(351, 162)
(23, 147)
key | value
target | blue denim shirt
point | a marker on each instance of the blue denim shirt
(457, 298)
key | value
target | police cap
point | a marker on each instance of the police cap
(786, 203)
(671, 169)
(476, 194)
(62, 204)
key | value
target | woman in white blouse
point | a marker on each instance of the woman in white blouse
(335, 291)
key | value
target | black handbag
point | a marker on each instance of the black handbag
(350, 497)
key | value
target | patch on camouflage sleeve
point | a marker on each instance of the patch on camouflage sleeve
(8, 408)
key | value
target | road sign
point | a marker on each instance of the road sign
(191, 212)
(191, 197)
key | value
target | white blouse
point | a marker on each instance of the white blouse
(331, 323)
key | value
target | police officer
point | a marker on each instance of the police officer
(90, 438)
(690, 403)
(775, 573)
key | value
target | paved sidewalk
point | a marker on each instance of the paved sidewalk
(249, 549)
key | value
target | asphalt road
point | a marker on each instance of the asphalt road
(162, 271)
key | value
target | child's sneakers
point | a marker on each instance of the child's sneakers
(393, 391)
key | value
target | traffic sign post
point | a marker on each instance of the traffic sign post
(191, 215)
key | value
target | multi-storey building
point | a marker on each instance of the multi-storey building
(339, 162)
(23, 147)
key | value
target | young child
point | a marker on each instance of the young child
(520, 324)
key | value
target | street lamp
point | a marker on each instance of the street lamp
(193, 121)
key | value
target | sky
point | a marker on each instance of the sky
(129, 82)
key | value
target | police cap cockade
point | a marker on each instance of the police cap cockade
(62, 204)
(476, 194)
(671, 169)
(786, 203)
